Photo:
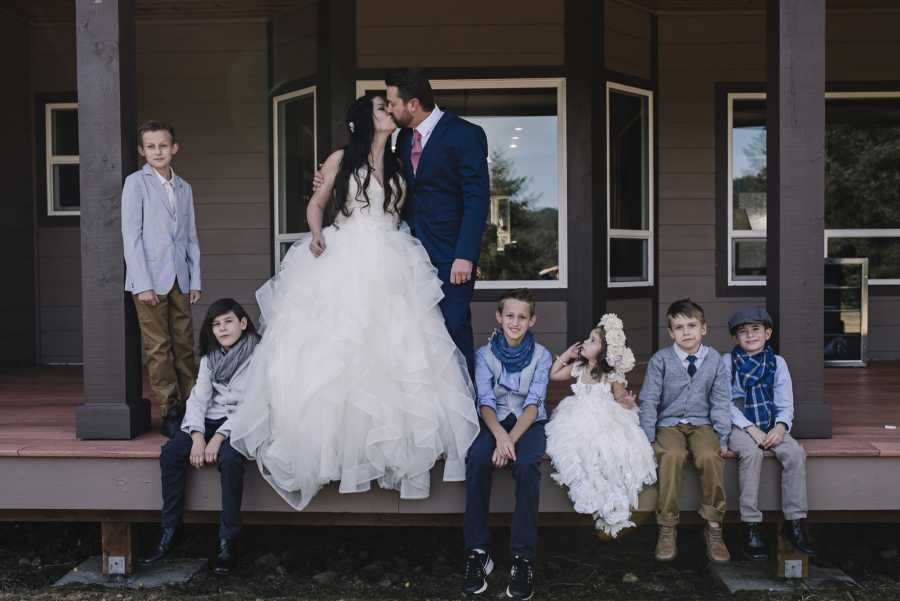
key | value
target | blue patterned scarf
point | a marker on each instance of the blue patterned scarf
(756, 375)
(513, 358)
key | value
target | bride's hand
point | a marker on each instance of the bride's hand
(317, 245)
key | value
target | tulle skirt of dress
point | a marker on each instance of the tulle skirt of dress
(356, 378)
(600, 453)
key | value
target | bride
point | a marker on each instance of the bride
(356, 378)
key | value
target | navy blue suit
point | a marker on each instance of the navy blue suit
(446, 209)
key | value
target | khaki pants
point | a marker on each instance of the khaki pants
(792, 458)
(673, 445)
(169, 343)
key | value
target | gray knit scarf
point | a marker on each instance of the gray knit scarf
(223, 364)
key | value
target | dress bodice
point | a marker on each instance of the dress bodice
(582, 387)
(368, 214)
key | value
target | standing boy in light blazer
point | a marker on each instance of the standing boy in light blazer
(162, 258)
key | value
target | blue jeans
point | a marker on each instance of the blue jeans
(526, 472)
(174, 461)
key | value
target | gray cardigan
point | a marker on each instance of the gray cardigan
(670, 396)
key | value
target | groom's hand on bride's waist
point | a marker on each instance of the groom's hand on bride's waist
(461, 271)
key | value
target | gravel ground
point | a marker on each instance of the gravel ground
(310, 563)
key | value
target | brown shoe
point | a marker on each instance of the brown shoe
(666, 548)
(716, 550)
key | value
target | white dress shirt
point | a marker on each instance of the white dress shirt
(427, 126)
(168, 186)
(683, 356)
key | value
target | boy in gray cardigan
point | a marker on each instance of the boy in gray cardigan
(686, 410)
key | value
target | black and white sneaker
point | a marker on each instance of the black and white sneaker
(479, 565)
(521, 579)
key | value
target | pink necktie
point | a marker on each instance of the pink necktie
(416, 152)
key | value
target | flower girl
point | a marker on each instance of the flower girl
(593, 438)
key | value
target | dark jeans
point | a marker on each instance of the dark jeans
(457, 314)
(174, 462)
(526, 472)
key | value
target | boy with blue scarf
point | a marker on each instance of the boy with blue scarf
(511, 376)
(761, 416)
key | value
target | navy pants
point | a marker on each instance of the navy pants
(174, 462)
(458, 315)
(527, 475)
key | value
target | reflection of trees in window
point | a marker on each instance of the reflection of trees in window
(862, 175)
(520, 240)
(750, 188)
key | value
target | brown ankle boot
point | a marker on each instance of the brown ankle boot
(666, 547)
(716, 550)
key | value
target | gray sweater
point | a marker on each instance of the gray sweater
(670, 396)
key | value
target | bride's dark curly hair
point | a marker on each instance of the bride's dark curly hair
(361, 125)
(602, 368)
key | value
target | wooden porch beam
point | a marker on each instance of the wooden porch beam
(113, 407)
(796, 207)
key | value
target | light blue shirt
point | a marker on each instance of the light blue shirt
(503, 395)
(783, 393)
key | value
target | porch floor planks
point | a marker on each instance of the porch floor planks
(37, 414)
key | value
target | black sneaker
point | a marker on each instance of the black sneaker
(478, 567)
(521, 579)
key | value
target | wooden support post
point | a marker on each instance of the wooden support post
(586, 166)
(117, 543)
(113, 407)
(795, 148)
(789, 562)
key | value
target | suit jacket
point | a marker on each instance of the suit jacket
(449, 196)
(160, 244)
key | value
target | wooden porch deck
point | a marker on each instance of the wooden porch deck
(49, 473)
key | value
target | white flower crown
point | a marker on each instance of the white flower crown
(619, 356)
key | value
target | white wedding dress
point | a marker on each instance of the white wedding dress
(356, 378)
(600, 453)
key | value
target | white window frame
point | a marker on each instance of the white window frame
(732, 233)
(559, 83)
(51, 160)
(761, 234)
(630, 234)
(276, 188)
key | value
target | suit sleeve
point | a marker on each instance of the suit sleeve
(193, 248)
(476, 188)
(650, 396)
(721, 403)
(133, 236)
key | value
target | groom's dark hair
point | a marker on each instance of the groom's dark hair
(412, 83)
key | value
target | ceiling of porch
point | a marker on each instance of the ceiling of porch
(43, 11)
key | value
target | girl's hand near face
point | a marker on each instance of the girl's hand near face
(571, 353)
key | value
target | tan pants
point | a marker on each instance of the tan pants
(169, 343)
(673, 445)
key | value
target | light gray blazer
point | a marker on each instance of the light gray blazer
(160, 245)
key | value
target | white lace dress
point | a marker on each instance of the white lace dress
(600, 453)
(356, 378)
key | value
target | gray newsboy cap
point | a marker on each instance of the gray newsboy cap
(745, 316)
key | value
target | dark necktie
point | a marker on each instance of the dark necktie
(692, 368)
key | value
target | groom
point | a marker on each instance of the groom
(448, 193)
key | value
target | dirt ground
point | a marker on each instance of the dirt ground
(318, 563)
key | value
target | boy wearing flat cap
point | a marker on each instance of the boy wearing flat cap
(761, 414)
